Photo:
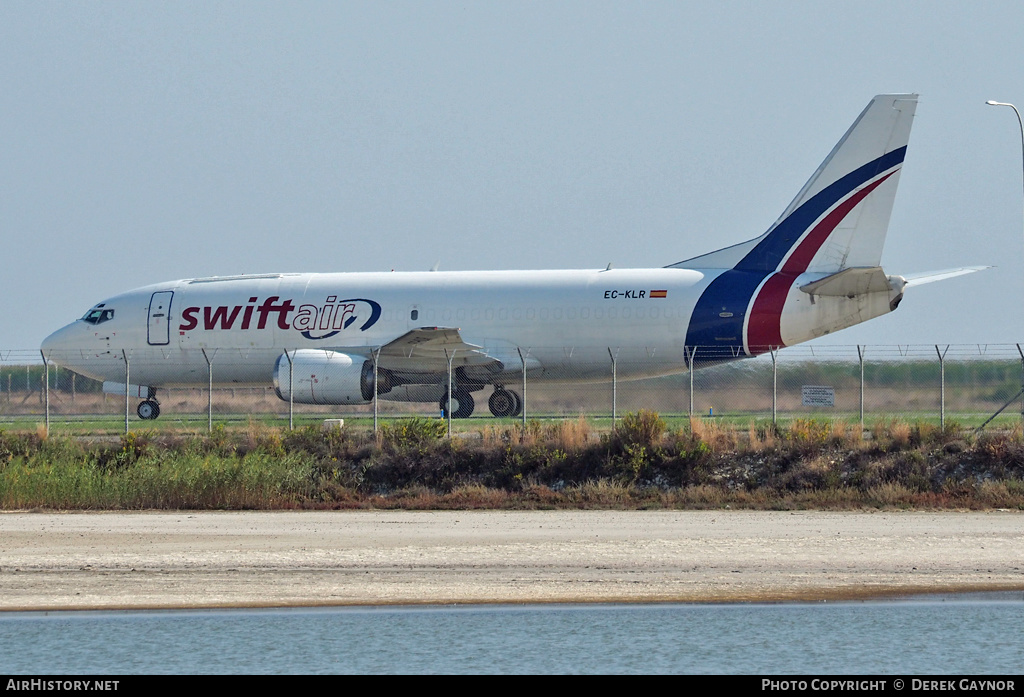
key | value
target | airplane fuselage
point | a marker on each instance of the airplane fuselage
(565, 321)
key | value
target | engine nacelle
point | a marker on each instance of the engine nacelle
(324, 377)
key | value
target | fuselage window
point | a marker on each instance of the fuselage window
(414, 315)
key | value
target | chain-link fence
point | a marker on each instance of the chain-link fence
(963, 383)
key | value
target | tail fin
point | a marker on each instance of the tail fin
(840, 217)
(837, 222)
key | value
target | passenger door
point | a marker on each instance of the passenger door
(159, 318)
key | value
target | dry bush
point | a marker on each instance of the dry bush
(713, 434)
(601, 492)
(854, 435)
(1001, 494)
(474, 496)
(703, 495)
(569, 435)
(541, 496)
(891, 494)
(899, 433)
(815, 473)
(257, 435)
(531, 435)
(500, 435)
(762, 437)
(809, 434)
(846, 435)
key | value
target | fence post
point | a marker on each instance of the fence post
(1021, 352)
(291, 391)
(860, 356)
(775, 384)
(448, 404)
(614, 385)
(942, 385)
(689, 365)
(127, 382)
(522, 359)
(209, 392)
(376, 360)
(46, 390)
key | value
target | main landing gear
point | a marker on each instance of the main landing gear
(502, 403)
(505, 402)
(462, 404)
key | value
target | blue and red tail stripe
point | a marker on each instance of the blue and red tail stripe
(769, 269)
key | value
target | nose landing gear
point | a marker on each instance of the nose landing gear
(148, 410)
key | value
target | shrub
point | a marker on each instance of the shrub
(416, 432)
(642, 428)
(811, 433)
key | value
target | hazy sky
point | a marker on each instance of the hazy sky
(142, 142)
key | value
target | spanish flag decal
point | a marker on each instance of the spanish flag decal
(658, 294)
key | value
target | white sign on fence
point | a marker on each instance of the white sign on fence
(818, 396)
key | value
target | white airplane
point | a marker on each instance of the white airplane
(344, 338)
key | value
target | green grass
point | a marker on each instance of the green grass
(646, 461)
(198, 424)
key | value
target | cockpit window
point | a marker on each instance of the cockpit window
(98, 316)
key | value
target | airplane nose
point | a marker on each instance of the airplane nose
(58, 343)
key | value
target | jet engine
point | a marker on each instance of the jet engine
(323, 377)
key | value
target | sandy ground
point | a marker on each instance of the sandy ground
(52, 561)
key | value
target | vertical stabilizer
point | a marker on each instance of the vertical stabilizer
(838, 221)
(840, 217)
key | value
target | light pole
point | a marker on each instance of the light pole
(1019, 122)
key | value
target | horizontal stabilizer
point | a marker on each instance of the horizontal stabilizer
(851, 282)
(919, 279)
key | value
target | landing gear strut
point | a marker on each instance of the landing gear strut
(505, 402)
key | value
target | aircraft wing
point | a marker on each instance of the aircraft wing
(427, 350)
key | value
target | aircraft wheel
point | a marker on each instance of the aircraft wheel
(462, 405)
(504, 403)
(148, 410)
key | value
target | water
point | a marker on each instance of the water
(939, 635)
